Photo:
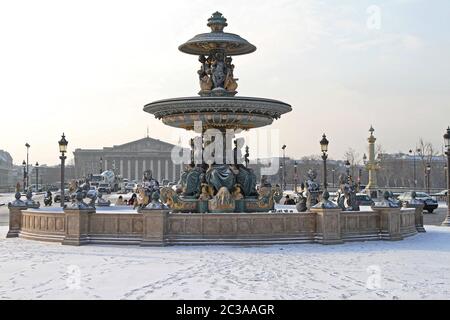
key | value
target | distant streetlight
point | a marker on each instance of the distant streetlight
(27, 145)
(101, 165)
(347, 167)
(413, 153)
(37, 176)
(24, 165)
(324, 148)
(63, 149)
(428, 171)
(447, 147)
(284, 168)
(295, 176)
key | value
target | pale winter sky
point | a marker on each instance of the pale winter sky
(88, 67)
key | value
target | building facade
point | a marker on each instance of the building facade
(130, 160)
(6, 170)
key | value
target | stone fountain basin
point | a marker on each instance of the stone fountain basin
(218, 112)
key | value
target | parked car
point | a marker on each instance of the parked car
(442, 193)
(129, 187)
(430, 204)
(364, 200)
(104, 188)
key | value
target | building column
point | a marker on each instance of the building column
(166, 169)
(159, 170)
(121, 167)
(136, 169)
(174, 172)
(129, 169)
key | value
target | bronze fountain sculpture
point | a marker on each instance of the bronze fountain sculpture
(218, 179)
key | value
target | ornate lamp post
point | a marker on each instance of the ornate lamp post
(447, 146)
(359, 179)
(281, 175)
(365, 160)
(324, 147)
(347, 168)
(428, 171)
(295, 176)
(37, 176)
(101, 165)
(445, 171)
(284, 168)
(413, 153)
(28, 178)
(372, 166)
(24, 165)
(63, 149)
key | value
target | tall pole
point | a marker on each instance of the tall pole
(372, 166)
(37, 176)
(295, 176)
(283, 173)
(448, 186)
(414, 166)
(359, 179)
(28, 172)
(24, 176)
(63, 149)
(447, 142)
(324, 158)
(63, 159)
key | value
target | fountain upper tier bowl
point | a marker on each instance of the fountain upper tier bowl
(218, 112)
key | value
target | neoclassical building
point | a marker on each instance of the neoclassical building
(6, 169)
(130, 160)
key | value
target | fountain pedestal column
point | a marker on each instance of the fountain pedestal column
(328, 225)
(77, 226)
(155, 227)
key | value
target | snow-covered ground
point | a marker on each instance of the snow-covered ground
(415, 268)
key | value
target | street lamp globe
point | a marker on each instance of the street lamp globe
(37, 164)
(24, 163)
(63, 144)
(347, 164)
(324, 143)
(428, 168)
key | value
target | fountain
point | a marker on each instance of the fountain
(217, 183)
(216, 201)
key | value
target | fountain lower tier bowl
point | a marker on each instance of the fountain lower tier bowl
(218, 112)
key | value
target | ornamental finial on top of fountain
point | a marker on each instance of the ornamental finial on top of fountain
(217, 22)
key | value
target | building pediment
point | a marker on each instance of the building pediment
(143, 145)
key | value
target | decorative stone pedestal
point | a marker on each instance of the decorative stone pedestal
(328, 225)
(389, 223)
(418, 215)
(15, 220)
(155, 227)
(77, 226)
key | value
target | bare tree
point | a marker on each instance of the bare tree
(426, 152)
(354, 158)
